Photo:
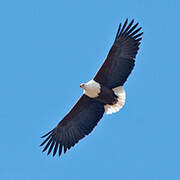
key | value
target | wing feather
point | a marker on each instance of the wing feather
(121, 58)
(47, 145)
(78, 123)
(55, 148)
(60, 149)
(52, 145)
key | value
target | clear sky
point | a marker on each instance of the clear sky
(47, 48)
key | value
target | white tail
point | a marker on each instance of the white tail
(120, 92)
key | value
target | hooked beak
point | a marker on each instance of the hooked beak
(82, 85)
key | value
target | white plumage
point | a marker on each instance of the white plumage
(91, 88)
(120, 92)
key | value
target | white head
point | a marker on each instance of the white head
(91, 88)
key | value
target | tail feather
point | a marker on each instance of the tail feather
(120, 92)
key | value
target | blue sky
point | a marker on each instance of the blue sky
(47, 49)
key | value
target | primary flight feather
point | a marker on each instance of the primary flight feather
(104, 93)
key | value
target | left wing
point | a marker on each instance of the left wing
(78, 123)
(121, 58)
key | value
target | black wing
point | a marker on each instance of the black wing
(120, 60)
(78, 123)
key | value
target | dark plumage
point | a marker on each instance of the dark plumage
(120, 60)
(87, 112)
(107, 96)
(79, 122)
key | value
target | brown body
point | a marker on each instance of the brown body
(107, 96)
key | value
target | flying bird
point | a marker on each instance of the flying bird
(103, 94)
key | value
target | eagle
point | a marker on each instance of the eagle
(103, 94)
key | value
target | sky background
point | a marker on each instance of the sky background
(47, 48)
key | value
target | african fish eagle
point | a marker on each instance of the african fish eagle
(104, 93)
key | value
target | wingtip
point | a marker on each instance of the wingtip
(117, 34)
(132, 21)
(137, 36)
(44, 150)
(60, 150)
(129, 28)
(48, 152)
(46, 134)
(126, 21)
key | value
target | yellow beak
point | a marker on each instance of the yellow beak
(82, 85)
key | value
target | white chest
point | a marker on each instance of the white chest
(92, 88)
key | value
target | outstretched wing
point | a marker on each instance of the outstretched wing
(121, 58)
(78, 123)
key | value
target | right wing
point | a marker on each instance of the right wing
(78, 123)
